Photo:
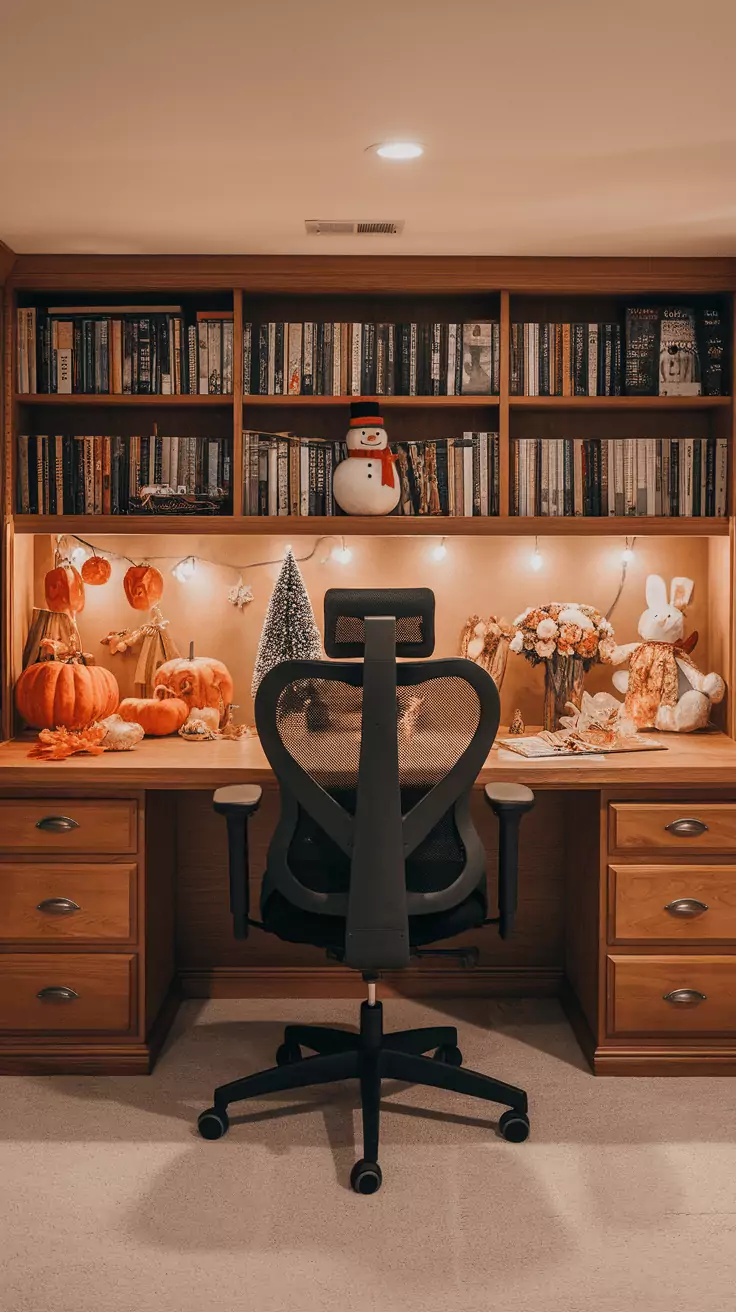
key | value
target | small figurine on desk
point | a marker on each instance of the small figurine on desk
(517, 725)
(664, 687)
(367, 482)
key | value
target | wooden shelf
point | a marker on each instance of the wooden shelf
(374, 525)
(417, 402)
(114, 399)
(620, 402)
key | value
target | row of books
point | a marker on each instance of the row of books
(675, 351)
(124, 350)
(620, 476)
(293, 476)
(565, 359)
(372, 359)
(103, 475)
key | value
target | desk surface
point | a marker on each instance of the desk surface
(703, 760)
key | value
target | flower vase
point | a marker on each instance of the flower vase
(563, 683)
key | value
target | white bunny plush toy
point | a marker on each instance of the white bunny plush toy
(664, 687)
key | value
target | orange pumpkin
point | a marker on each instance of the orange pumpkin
(158, 715)
(65, 694)
(64, 589)
(143, 585)
(200, 681)
(96, 570)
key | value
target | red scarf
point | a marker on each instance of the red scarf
(387, 463)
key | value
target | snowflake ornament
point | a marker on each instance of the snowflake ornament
(240, 595)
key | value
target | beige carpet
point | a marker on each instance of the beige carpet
(623, 1199)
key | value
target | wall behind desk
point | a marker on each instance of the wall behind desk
(477, 576)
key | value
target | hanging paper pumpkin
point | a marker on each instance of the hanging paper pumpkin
(199, 681)
(158, 715)
(64, 589)
(143, 586)
(96, 570)
(65, 694)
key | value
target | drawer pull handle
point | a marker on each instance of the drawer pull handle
(685, 997)
(686, 907)
(687, 828)
(57, 824)
(56, 993)
(58, 906)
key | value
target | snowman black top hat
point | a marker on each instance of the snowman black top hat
(365, 412)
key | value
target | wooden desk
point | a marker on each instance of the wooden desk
(145, 863)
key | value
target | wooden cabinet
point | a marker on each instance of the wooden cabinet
(69, 992)
(691, 904)
(68, 826)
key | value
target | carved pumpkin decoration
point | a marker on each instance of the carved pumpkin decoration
(158, 715)
(64, 590)
(199, 681)
(65, 694)
(96, 570)
(143, 585)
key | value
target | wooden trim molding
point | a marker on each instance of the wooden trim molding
(338, 982)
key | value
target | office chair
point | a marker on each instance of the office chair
(374, 856)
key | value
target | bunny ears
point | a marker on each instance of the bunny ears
(681, 590)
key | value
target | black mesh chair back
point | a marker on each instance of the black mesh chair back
(375, 762)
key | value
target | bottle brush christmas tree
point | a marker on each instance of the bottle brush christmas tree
(290, 630)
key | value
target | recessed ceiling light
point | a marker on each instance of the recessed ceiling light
(399, 150)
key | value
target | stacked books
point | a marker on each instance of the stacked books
(293, 476)
(64, 475)
(124, 350)
(371, 359)
(565, 359)
(668, 476)
(674, 351)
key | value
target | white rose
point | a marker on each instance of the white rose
(572, 615)
(517, 642)
(546, 629)
(545, 649)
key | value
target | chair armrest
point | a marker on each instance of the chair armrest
(238, 803)
(509, 802)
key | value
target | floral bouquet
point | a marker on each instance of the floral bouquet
(569, 637)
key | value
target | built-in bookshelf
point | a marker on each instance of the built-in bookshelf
(434, 310)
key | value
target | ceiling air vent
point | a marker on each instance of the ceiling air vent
(353, 227)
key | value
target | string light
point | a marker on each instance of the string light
(439, 552)
(342, 554)
(627, 555)
(185, 569)
(536, 560)
(78, 555)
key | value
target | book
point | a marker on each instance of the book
(476, 359)
(679, 364)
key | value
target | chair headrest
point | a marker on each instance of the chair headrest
(347, 608)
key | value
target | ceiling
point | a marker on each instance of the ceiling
(567, 128)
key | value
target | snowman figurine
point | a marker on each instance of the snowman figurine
(367, 482)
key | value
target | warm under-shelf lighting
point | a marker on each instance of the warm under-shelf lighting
(342, 554)
(536, 560)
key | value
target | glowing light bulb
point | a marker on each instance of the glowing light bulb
(439, 552)
(399, 150)
(343, 555)
(535, 562)
(185, 569)
(78, 556)
(627, 555)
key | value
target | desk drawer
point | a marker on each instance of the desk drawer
(681, 827)
(63, 902)
(77, 991)
(61, 825)
(672, 904)
(672, 995)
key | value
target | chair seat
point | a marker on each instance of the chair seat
(282, 918)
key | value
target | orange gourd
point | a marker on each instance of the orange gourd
(199, 680)
(143, 585)
(158, 715)
(96, 570)
(65, 694)
(64, 589)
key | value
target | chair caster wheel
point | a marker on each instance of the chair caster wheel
(449, 1054)
(514, 1126)
(365, 1177)
(287, 1054)
(213, 1123)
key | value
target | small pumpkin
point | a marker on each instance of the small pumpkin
(144, 586)
(64, 589)
(158, 715)
(96, 570)
(65, 694)
(198, 680)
